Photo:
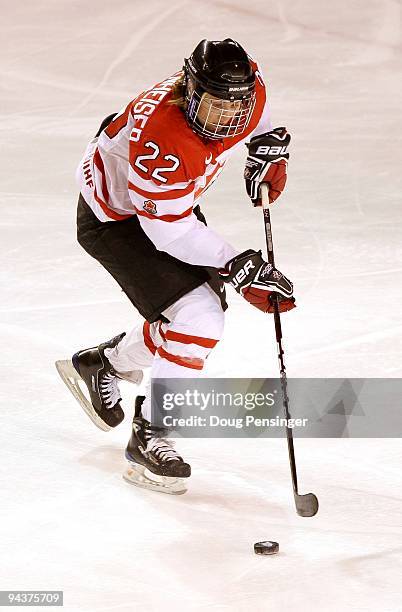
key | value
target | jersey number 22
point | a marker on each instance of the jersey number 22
(157, 173)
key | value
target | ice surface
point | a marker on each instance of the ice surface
(68, 521)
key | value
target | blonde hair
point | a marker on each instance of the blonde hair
(178, 93)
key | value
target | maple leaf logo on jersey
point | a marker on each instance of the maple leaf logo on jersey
(150, 207)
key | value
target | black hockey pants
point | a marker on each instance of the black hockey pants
(151, 279)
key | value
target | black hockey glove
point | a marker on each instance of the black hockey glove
(257, 281)
(267, 163)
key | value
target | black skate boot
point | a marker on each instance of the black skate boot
(92, 368)
(154, 463)
(101, 380)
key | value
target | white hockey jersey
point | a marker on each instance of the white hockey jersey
(148, 162)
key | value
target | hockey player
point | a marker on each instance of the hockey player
(141, 180)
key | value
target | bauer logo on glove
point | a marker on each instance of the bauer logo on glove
(258, 282)
(275, 151)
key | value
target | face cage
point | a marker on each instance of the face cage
(222, 127)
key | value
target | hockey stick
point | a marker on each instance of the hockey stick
(306, 505)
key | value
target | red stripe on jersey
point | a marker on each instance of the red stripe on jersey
(110, 213)
(98, 161)
(187, 339)
(168, 218)
(193, 363)
(147, 338)
(119, 123)
(172, 194)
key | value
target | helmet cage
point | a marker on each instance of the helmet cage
(223, 117)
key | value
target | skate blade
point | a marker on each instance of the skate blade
(72, 379)
(140, 476)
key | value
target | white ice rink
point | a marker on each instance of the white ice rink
(67, 519)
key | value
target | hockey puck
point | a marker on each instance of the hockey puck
(266, 548)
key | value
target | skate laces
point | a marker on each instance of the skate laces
(162, 448)
(109, 389)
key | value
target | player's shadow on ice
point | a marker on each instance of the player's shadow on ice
(231, 497)
(106, 458)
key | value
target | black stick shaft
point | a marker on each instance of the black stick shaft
(278, 333)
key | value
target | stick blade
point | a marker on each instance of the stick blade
(306, 505)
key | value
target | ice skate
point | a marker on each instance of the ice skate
(90, 368)
(154, 463)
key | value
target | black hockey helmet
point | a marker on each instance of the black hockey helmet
(220, 88)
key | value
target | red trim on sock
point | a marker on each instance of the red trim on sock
(187, 339)
(161, 332)
(147, 338)
(187, 362)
